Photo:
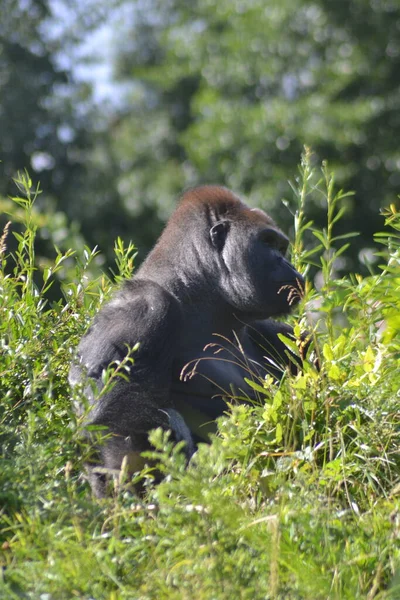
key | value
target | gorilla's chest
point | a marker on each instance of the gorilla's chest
(202, 385)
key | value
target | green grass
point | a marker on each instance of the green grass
(296, 498)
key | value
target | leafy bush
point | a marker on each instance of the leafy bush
(297, 497)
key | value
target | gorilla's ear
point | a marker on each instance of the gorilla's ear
(218, 234)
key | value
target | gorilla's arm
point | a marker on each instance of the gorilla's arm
(265, 352)
(141, 312)
(277, 357)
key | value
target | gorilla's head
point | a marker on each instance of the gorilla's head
(240, 250)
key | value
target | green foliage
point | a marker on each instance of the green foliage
(48, 121)
(230, 93)
(198, 93)
(297, 496)
(40, 127)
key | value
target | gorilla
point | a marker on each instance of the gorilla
(200, 312)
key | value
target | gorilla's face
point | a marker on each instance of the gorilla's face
(256, 278)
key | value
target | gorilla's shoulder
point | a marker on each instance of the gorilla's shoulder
(141, 311)
(142, 298)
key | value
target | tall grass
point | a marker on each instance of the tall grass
(297, 497)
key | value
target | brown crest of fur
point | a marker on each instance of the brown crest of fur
(221, 200)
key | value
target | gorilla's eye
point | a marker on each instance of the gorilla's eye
(276, 239)
(218, 234)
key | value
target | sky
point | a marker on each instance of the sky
(90, 60)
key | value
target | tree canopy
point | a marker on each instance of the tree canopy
(225, 93)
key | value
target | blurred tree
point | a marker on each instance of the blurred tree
(39, 129)
(223, 92)
(49, 124)
(229, 92)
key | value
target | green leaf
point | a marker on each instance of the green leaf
(255, 386)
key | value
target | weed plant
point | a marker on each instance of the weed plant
(297, 497)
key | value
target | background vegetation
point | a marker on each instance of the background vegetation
(197, 92)
(297, 497)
